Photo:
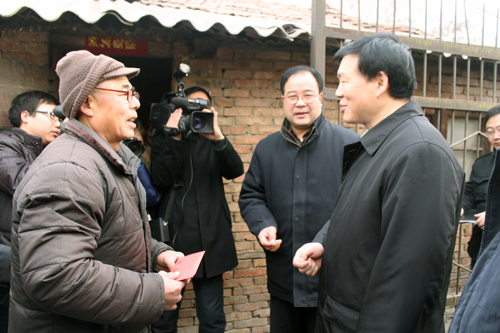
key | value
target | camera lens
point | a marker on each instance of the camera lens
(199, 123)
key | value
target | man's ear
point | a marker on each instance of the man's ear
(25, 117)
(382, 82)
(86, 107)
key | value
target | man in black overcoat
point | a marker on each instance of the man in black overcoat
(386, 254)
(289, 192)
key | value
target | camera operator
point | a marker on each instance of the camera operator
(189, 169)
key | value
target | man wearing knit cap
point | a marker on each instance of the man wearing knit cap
(83, 259)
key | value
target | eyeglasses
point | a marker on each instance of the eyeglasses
(130, 93)
(307, 98)
(52, 116)
(491, 131)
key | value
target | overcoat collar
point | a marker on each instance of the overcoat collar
(374, 138)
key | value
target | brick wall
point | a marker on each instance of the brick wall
(243, 79)
(24, 63)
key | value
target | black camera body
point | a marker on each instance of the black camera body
(193, 120)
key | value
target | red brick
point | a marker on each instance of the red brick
(267, 75)
(232, 188)
(240, 227)
(260, 280)
(253, 121)
(249, 64)
(251, 322)
(251, 83)
(208, 73)
(273, 55)
(263, 313)
(227, 102)
(254, 139)
(238, 112)
(236, 93)
(233, 207)
(231, 130)
(253, 102)
(244, 236)
(11, 45)
(242, 149)
(237, 74)
(182, 49)
(268, 112)
(282, 65)
(225, 53)
(266, 93)
(265, 130)
(238, 316)
(249, 272)
(33, 47)
(238, 283)
(244, 54)
(224, 64)
(243, 246)
(259, 297)
(300, 56)
(243, 264)
(251, 306)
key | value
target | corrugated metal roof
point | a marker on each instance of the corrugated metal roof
(167, 14)
(252, 16)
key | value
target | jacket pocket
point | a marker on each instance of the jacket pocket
(340, 318)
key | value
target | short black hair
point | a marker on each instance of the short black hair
(191, 90)
(28, 101)
(384, 53)
(297, 69)
(491, 112)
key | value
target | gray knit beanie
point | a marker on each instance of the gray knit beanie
(80, 72)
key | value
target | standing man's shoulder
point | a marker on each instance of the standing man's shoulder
(345, 135)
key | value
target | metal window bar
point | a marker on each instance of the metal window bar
(468, 77)
(481, 75)
(440, 73)
(454, 77)
(425, 76)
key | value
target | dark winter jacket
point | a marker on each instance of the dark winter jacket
(475, 197)
(479, 303)
(18, 150)
(81, 245)
(389, 245)
(293, 187)
(200, 218)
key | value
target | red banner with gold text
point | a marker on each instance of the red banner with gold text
(116, 46)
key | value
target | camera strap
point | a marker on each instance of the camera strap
(171, 196)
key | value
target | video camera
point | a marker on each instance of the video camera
(193, 119)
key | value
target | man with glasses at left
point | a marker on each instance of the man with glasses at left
(33, 127)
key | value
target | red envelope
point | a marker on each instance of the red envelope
(188, 265)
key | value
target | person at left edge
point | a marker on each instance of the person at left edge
(34, 126)
(82, 255)
(200, 218)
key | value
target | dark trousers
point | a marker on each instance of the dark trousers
(209, 308)
(285, 318)
(4, 307)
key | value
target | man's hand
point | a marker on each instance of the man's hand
(217, 134)
(308, 258)
(481, 218)
(173, 121)
(267, 238)
(172, 288)
(166, 260)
